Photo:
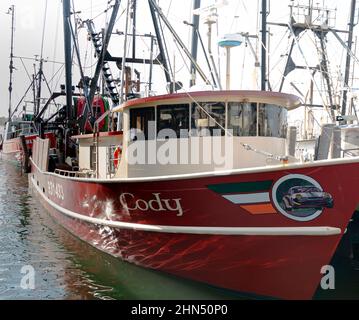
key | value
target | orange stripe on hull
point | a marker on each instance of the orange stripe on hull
(266, 208)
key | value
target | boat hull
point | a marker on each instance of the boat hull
(198, 227)
(12, 151)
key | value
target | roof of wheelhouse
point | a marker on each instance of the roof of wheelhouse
(288, 101)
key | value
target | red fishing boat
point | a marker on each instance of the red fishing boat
(228, 228)
(196, 184)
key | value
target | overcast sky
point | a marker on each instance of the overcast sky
(239, 15)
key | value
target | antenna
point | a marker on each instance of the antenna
(212, 9)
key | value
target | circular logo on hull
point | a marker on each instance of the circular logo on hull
(300, 197)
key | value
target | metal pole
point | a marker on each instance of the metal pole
(159, 36)
(105, 42)
(123, 67)
(151, 66)
(348, 61)
(11, 66)
(209, 34)
(134, 27)
(179, 40)
(38, 98)
(228, 72)
(264, 45)
(68, 58)
(195, 24)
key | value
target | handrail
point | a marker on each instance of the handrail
(75, 174)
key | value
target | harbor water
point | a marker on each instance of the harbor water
(67, 268)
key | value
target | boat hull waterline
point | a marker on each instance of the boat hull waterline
(231, 231)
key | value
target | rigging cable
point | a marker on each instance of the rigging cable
(246, 147)
(55, 42)
(43, 30)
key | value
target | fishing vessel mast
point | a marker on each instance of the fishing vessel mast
(11, 11)
(320, 21)
(264, 14)
(352, 24)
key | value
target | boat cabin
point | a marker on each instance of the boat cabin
(191, 133)
(14, 128)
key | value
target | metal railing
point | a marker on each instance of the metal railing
(76, 174)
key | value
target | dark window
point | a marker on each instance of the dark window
(174, 117)
(139, 121)
(93, 158)
(272, 121)
(209, 116)
(242, 118)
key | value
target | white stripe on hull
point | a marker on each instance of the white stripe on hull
(248, 198)
(242, 231)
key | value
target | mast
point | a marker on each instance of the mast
(134, 27)
(38, 98)
(195, 25)
(160, 42)
(154, 7)
(11, 66)
(264, 45)
(348, 61)
(68, 59)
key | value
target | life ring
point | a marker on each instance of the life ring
(116, 156)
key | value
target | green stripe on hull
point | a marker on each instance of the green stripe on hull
(253, 186)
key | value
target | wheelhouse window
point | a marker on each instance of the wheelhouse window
(173, 117)
(242, 118)
(140, 123)
(208, 116)
(272, 121)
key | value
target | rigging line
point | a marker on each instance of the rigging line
(123, 67)
(279, 69)
(327, 73)
(104, 12)
(62, 69)
(235, 14)
(43, 30)
(36, 59)
(91, 47)
(169, 8)
(27, 72)
(184, 60)
(166, 48)
(243, 66)
(281, 39)
(308, 69)
(54, 75)
(48, 87)
(56, 40)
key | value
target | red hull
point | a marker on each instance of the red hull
(282, 266)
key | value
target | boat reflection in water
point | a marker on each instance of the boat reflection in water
(65, 267)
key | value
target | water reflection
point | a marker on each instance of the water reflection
(67, 268)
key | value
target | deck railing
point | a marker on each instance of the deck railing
(76, 174)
